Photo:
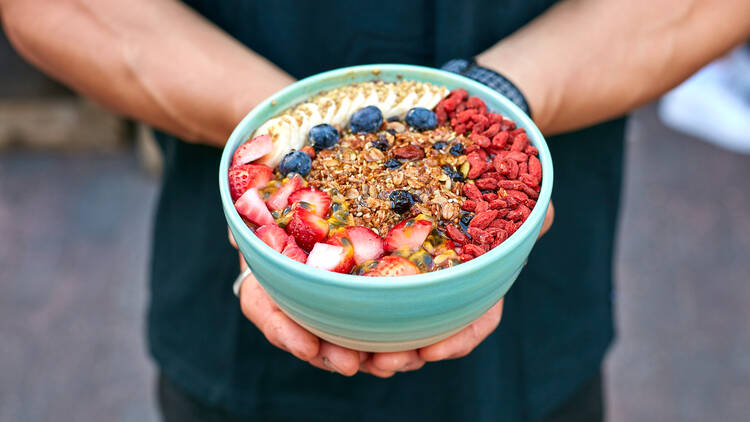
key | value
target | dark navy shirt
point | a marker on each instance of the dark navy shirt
(557, 320)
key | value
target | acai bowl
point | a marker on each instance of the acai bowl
(448, 270)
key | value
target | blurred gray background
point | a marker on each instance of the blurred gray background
(77, 190)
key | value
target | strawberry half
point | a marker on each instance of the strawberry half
(331, 258)
(307, 228)
(409, 234)
(392, 266)
(253, 208)
(273, 236)
(293, 251)
(367, 245)
(317, 200)
(252, 150)
(246, 176)
(280, 199)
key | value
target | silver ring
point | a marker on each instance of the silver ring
(238, 281)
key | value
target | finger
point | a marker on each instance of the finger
(336, 358)
(368, 367)
(280, 331)
(464, 341)
(549, 218)
(231, 238)
(397, 361)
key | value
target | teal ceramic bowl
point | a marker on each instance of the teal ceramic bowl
(380, 313)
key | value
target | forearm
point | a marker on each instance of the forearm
(153, 60)
(585, 61)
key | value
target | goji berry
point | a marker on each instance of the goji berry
(520, 196)
(458, 94)
(523, 167)
(511, 201)
(516, 214)
(517, 156)
(499, 140)
(476, 103)
(495, 117)
(510, 184)
(507, 125)
(483, 219)
(479, 236)
(477, 165)
(461, 107)
(460, 129)
(486, 183)
(456, 234)
(449, 104)
(528, 179)
(531, 150)
(442, 116)
(525, 211)
(465, 115)
(531, 192)
(471, 148)
(480, 140)
(469, 205)
(472, 192)
(472, 249)
(498, 204)
(493, 130)
(489, 196)
(482, 206)
(535, 168)
(464, 257)
(520, 142)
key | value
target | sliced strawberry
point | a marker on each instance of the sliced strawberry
(293, 251)
(392, 266)
(253, 208)
(280, 199)
(252, 150)
(317, 200)
(331, 258)
(246, 176)
(367, 245)
(307, 228)
(409, 234)
(273, 235)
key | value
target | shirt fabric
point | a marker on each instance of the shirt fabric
(557, 321)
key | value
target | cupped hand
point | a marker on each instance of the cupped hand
(284, 333)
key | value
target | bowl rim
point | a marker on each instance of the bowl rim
(272, 257)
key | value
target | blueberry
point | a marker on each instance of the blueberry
(439, 145)
(323, 136)
(453, 174)
(392, 163)
(464, 221)
(421, 118)
(457, 149)
(381, 143)
(401, 201)
(366, 120)
(295, 162)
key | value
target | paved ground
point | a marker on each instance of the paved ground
(74, 247)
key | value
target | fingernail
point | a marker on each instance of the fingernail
(330, 365)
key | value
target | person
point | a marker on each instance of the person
(194, 69)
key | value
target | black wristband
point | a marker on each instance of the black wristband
(492, 79)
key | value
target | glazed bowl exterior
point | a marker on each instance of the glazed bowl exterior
(382, 313)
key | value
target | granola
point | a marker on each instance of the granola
(386, 179)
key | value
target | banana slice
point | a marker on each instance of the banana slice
(283, 130)
(290, 129)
